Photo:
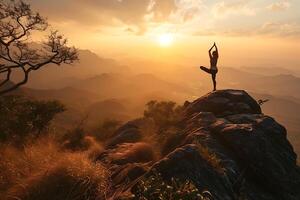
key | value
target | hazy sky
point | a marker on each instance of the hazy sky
(249, 32)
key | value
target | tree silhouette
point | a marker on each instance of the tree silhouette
(17, 51)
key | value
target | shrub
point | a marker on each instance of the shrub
(78, 140)
(154, 187)
(165, 114)
(21, 117)
(106, 129)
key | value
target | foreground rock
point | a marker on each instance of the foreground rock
(228, 147)
(225, 102)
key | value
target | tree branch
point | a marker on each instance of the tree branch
(7, 77)
(17, 21)
(15, 86)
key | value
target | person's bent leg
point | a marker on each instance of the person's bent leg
(205, 69)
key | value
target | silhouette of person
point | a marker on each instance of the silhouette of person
(214, 56)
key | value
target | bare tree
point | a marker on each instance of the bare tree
(17, 23)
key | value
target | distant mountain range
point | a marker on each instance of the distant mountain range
(105, 89)
(278, 85)
(89, 65)
(270, 71)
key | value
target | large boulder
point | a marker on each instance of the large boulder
(224, 102)
(231, 149)
(186, 163)
(260, 145)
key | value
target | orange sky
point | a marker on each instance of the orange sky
(248, 32)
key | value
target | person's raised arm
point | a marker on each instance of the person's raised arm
(209, 52)
(217, 50)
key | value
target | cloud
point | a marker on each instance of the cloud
(137, 15)
(188, 9)
(116, 17)
(161, 10)
(280, 29)
(107, 12)
(270, 29)
(233, 7)
(279, 6)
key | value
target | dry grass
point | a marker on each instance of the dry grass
(16, 164)
(95, 148)
(132, 153)
(211, 158)
(42, 171)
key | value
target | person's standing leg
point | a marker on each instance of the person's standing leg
(213, 75)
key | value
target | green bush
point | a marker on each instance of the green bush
(165, 114)
(21, 117)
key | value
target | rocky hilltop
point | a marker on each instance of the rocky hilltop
(225, 146)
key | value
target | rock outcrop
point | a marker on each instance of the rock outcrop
(230, 148)
(225, 102)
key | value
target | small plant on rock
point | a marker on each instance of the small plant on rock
(154, 187)
(211, 158)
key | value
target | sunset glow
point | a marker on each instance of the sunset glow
(166, 39)
(259, 30)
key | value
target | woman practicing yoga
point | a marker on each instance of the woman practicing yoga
(213, 64)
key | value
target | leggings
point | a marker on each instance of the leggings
(213, 73)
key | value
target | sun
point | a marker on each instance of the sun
(166, 39)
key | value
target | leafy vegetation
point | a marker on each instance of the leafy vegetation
(21, 117)
(154, 187)
(165, 114)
